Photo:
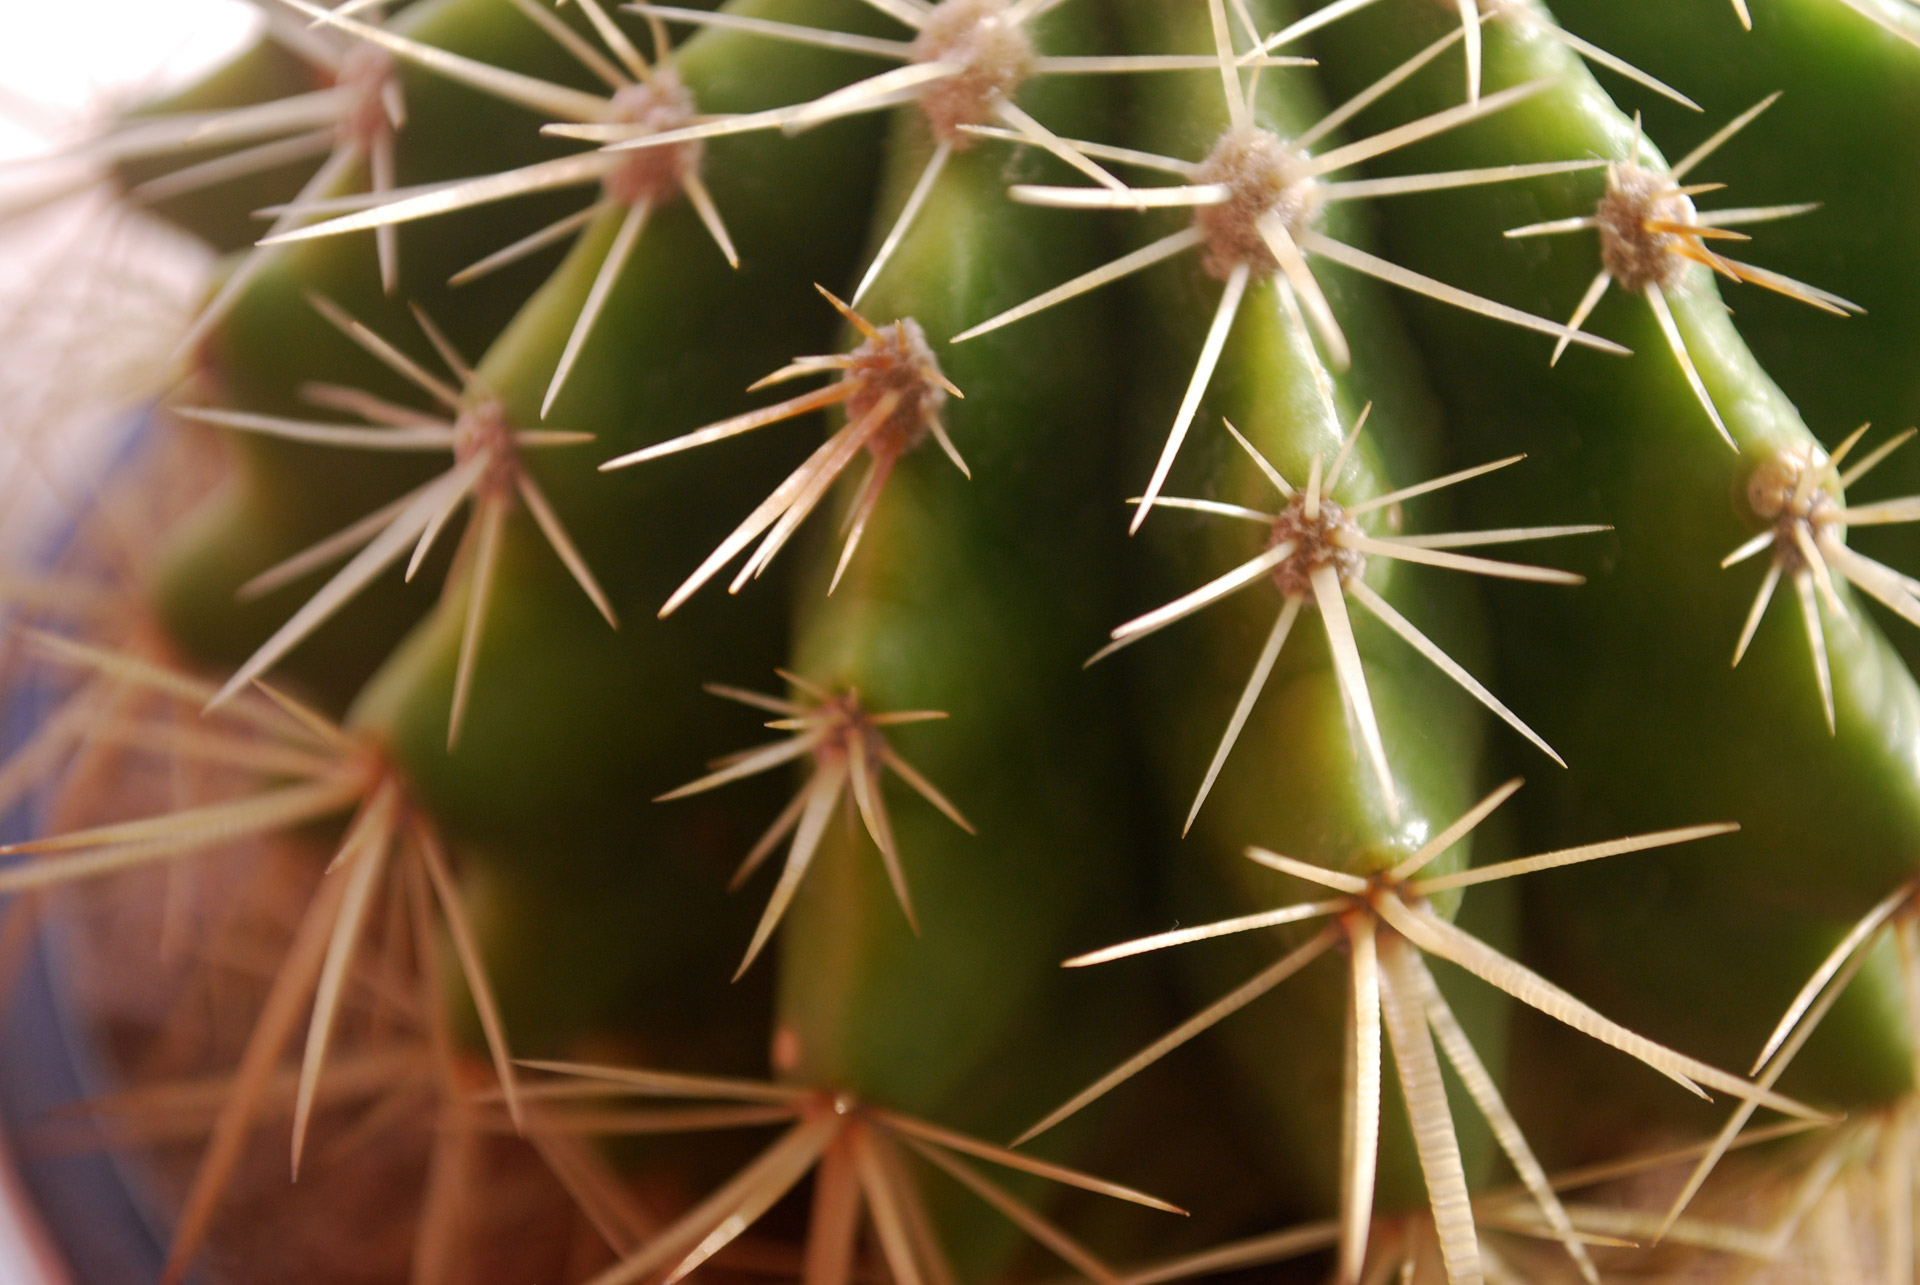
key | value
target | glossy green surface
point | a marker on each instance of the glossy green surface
(1840, 135)
(551, 783)
(604, 916)
(1701, 946)
(283, 496)
(979, 597)
(1298, 781)
(545, 745)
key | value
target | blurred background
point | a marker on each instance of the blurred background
(90, 296)
(73, 269)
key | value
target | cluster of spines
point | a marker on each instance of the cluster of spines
(1279, 239)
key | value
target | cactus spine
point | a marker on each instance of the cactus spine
(504, 392)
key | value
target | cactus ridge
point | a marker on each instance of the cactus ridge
(485, 470)
(1386, 923)
(1317, 551)
(850, 756)
(893, 390)
(1649, 228)
(1256, 197)
(510, 831)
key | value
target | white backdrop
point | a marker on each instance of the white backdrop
(63, 59)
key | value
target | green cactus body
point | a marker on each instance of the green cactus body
(1319, 780)
(1299, 781)
(1302, 767)
(284, 496)
(1843, 78)
(546, 745)
(974, 595)
(1631, 447)
(955, 592)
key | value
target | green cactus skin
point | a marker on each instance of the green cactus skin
(1844, 79)
(1299, 731)
(545, 745)
(957, 592)
(583, 910)
(1662, 724)
(602, 913)
(285, 496)
(954, 602)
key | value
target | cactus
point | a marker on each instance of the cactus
(435, 688)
